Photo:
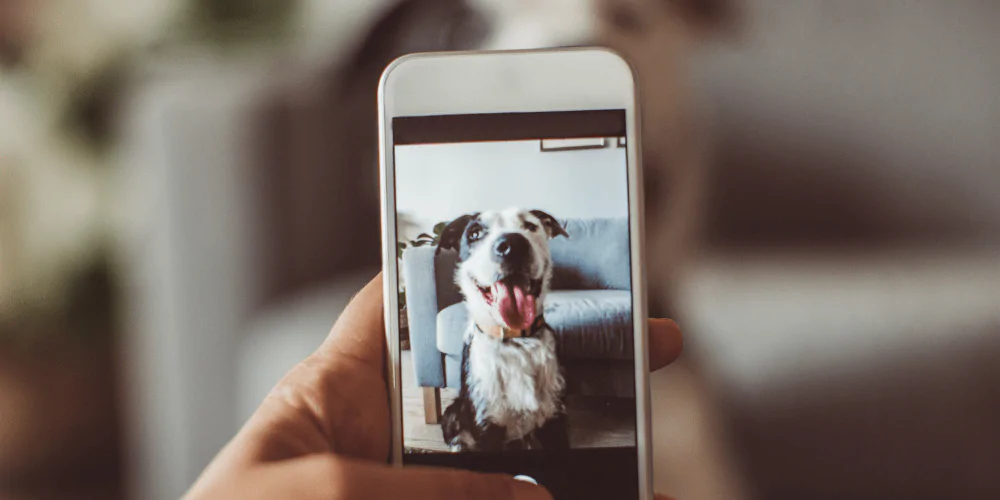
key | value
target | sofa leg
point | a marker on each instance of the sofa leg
(432, 405)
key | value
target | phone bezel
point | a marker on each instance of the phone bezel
(513, 81)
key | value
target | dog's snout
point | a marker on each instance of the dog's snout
(511, 247)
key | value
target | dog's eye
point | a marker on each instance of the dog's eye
(531, 226)
(475, 232)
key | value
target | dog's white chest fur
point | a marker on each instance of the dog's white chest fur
(515, 383)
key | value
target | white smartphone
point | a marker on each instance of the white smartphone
(513, 268)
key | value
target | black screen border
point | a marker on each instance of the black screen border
(483, 127)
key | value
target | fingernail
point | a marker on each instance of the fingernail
(524, 490)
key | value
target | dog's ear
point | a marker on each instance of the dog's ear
(451, 235)
(552, 226)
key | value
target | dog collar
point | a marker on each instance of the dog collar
(500, 332)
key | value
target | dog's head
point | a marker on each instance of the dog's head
(504, 263)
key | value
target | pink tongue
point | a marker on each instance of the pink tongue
(516, 307)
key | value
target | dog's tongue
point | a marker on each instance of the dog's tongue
(516, 307)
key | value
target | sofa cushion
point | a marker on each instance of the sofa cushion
(595, 255)
(589, 324)
(451, 323)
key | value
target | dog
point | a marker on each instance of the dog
(512, 383)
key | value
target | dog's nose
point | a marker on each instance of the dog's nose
(511, 247)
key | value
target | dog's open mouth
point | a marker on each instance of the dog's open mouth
(515, 300)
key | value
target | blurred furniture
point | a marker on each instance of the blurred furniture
(854, 375)
(845, 306)
(59, 425)
(589, 308)
(209, 329)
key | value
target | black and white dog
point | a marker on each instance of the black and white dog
(512, 383)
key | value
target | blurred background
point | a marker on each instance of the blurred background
(188, 197)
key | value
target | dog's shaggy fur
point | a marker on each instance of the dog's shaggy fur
(512, 382)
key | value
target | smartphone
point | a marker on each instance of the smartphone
(514, 285)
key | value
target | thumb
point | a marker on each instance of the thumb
(330, 477)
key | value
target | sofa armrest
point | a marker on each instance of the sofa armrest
(421, 311)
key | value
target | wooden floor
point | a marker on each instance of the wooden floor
(593, 422)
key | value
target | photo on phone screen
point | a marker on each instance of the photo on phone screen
(515, 293)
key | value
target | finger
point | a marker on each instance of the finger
(665, 342)
(330, 477)
(359, 333)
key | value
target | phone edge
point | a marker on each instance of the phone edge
(636, 250)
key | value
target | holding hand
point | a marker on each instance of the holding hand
(324, 431)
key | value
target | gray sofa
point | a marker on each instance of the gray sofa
(589, 307)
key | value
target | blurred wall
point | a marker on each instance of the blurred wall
(856, 123)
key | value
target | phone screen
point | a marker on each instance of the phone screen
(516, 319)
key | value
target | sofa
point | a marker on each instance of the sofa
(589, 307)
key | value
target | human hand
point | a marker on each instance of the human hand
(323, 432)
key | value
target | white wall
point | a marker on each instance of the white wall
(438, 182)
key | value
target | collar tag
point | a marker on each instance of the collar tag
(500, 332)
